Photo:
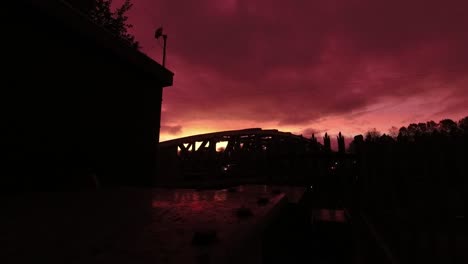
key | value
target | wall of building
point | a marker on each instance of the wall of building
(73, 109)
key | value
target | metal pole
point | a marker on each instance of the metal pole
(164, 50)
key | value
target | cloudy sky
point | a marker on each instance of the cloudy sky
(306, 66)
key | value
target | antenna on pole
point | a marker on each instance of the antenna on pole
(157, 35)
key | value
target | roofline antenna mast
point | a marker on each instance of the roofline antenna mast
(157, 35)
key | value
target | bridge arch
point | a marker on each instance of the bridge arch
(251, 149)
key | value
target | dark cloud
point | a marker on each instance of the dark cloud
(297, 62)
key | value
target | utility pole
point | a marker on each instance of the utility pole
(157, 35)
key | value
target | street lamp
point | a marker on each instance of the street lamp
(157, 35)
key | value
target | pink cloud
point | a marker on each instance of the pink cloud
(310, 64)
(172, 130)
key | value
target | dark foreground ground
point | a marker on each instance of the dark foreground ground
(334, 233)
(138, 226)
(328, 233)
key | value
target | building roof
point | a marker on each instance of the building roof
(77, 20)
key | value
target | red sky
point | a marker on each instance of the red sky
(304, 66)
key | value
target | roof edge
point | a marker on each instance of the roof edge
(79, 21)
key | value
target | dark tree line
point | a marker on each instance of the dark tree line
(414, 184)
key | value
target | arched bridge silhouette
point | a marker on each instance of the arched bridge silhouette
(245, 140)
(242, 154)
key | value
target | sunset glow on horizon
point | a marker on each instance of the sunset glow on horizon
(307, 66)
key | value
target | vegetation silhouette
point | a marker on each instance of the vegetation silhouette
(100, 11)
(413, 186)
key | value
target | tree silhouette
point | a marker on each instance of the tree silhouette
(393, 132)
(341, 143)
(115, 22)
(413, 186)
(431, 127)
(448, 126)
(372, 135)
(326, 142)
(463, 124)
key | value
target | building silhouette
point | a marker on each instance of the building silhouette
(80, 106)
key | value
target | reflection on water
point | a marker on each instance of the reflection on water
(195, 197)
(192, 199)
(326, 215)
(196, 200)
(220, 196)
